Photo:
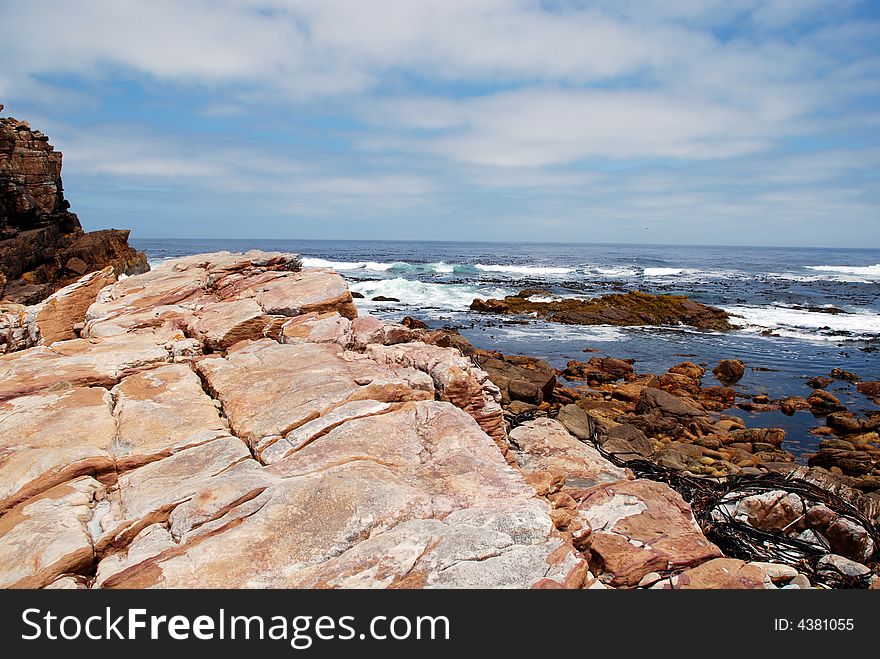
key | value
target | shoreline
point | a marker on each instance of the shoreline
(221, 393)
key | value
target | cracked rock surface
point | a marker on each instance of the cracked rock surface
(227, 420)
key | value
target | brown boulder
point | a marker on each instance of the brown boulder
(840, 374)
(640, 527)
(519, 378)
(658, 401)
(729, 371)
(792, 404)
(819, 382)
(599, 369)
(870, 389)
(823, 403)
(720, 573)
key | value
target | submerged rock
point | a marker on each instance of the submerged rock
(629, 309)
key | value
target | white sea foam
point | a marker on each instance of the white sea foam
(523, 269)
(668, 272)
(837, 277)
(803, 324)
(614, 272)
(310, 262)
(424, 294)
(867, 270)
(542, 331)
(441, 267)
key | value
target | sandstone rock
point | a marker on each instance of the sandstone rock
(545, 445)
(48, 535)
(640, 527)
(656, 400)
(159, 412)
(777, 572)
(50, 438)
(78, 362)
(792, 404)
(688, 369)
(328, 327)
(599, 369)
(360, 477)
(819, 382)
(729, 370)
(630, 309)
(42, 245)
(628, 442)
(822, 403)
(417, 498)
(455, 380)
(721, 573)
(57, 315)
(870, 389)
(835, 563)
(840, 374)
(533, 380)
(576, 421)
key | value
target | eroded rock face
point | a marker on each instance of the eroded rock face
(227, 421)
(42, 245)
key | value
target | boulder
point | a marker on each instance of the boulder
(640, 527)
(823, 403)
(870, 389)
(519, 378)
(663, 403)
(599, 369)
(840, 374)
(720, 573)
(577, 422)
(545, 445)
(729, 371)
(792, 404)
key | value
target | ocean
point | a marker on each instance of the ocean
(799, 312)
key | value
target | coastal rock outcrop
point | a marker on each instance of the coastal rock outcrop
(630, 309)
(42, 244)
(188, 440)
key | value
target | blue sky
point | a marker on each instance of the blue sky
(665, 121)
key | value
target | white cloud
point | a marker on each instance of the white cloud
(677, 113)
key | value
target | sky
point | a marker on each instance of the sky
(744, 122)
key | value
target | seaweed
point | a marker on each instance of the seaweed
(710, 497)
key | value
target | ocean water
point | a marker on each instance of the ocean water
(799, 312)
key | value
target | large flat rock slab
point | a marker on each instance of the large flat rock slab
(51, 438)
(48, 535)
(419, 496)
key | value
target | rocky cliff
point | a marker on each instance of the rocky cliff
(42, 244)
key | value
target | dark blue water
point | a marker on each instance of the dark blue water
(800, 312)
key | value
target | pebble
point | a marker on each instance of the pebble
(801, 581)
(650, 579)
(777, 571)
